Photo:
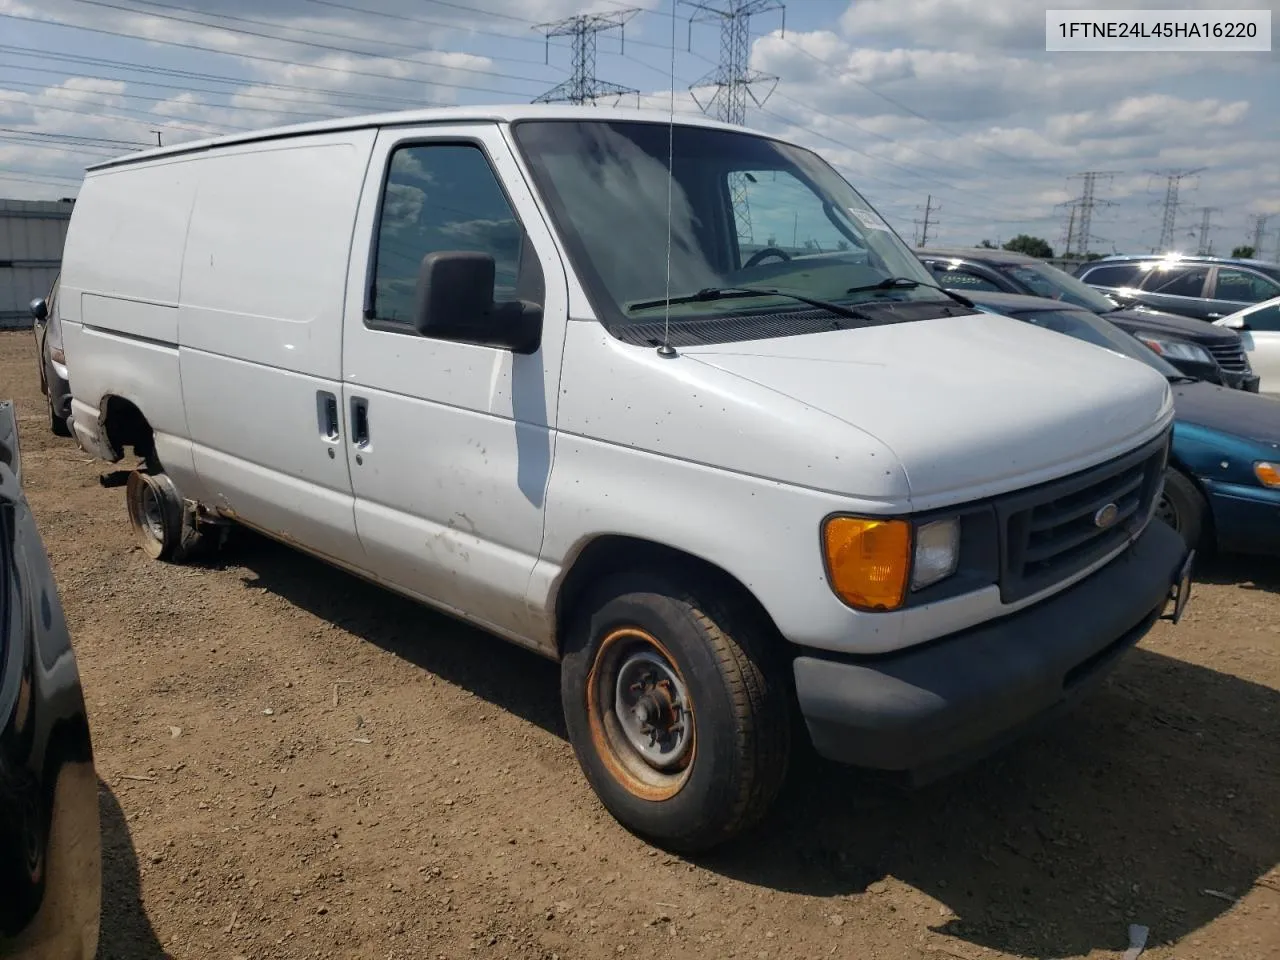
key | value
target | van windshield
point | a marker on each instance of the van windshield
(746, 211)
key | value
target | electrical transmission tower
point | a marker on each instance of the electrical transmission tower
(1173, 180)
(1259, 232)
(930, 209)
(1205, 245)
(733, 78)
(583, 86)
(1085, 204)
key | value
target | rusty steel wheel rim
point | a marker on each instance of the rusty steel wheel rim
(641, 714)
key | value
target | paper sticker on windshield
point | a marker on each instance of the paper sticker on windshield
(868, 219)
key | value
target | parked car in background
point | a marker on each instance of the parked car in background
(1206, 288)
(50, 849)
(1259, 329)
(1222, 484)
(51, 361)
(1197, 349)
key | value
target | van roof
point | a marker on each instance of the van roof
(498, 113)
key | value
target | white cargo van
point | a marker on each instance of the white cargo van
(668, 402)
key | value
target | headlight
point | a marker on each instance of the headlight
(1174, 349)
(1268, 474)
(937, 552)
(869, 561)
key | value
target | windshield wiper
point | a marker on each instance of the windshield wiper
(907, 283)
(709, 294)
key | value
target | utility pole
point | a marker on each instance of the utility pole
(1086, 202)
(1259, 232)
(1206, 216)
(158, 141)
(583, 86)
(1168, 224)
(733, 78)
(925, 224)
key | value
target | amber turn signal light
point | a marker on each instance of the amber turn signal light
(868, 561)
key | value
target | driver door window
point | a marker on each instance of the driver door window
(772, 209)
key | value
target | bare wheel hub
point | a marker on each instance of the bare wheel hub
(651, 705)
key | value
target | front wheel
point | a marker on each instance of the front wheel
(677, 714)
(1182, 507)
(58, 426)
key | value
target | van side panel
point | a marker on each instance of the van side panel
(121, 273)
(260, 323)
(126, 239)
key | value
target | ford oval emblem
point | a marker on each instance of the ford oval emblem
(1106, 516)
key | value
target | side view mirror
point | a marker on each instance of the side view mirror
(39, 309)
(454, 298)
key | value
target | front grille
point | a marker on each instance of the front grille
(1052, 532)
(1230, 356)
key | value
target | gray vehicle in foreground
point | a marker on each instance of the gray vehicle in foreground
(50, 847)
(1207, 288)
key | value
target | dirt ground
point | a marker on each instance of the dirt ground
(296, 764)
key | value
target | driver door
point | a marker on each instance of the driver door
(450, 443)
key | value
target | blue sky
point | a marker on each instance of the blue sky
(953, 100)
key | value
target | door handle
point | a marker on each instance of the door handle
(1214, 316)
(327, 413)
(360, 422)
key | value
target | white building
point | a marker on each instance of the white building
(31, 236)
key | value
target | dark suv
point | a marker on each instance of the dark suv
(1197, 349)
(1207, 288)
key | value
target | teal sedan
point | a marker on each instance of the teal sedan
(1222, 486)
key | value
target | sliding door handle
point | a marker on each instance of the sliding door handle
(327, 415)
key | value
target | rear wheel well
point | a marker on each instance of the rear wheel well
(124, 425)
(612, 554)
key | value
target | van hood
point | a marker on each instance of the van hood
(970, 406)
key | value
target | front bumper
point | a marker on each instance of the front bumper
(934, 708)
(1248, 382)
(1245, 519)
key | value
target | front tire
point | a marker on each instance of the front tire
(675, 709)
(57, 425)
(1182, 507)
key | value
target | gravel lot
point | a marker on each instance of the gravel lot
(296, 764)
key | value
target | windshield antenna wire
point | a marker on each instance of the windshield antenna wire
(666, 350)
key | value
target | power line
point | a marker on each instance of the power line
(305, 43)
(77, 94)
(346, 71)
(101, 141)
(129, 66)
(583, 86)
(1021, 161)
